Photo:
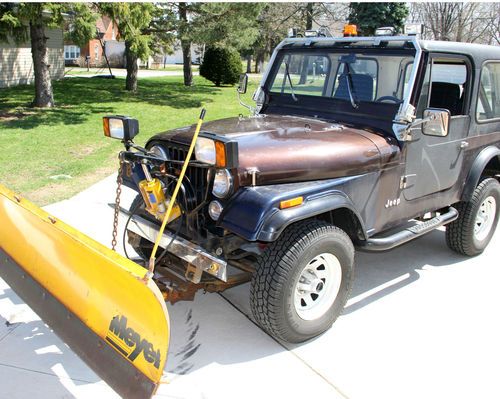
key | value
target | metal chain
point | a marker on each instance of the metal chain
(119, 181)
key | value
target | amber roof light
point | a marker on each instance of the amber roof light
(350, 30)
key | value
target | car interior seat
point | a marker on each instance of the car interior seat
(448, 96)
(362, 85)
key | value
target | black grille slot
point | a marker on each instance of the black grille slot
(197, 176)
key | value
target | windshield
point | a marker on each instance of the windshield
(346, 76)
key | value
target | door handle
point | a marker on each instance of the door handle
(464, 144)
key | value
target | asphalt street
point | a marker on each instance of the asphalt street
(422, 322)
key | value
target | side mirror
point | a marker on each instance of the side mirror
(120, 127)
(437, 122)
(242, 87)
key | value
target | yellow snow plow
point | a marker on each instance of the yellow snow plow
(111, 310)
(97, 301)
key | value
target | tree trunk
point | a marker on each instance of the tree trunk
(185, 45)
(305, 61)
(309, 16)
(44, 96)
(249, 63)
(259, 61)
(132, 69)
(186, 63)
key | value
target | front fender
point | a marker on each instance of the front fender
(254, 212)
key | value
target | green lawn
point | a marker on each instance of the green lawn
(75, 71)
(175, 67)
(40, 148)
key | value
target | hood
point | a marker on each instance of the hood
(290, 149)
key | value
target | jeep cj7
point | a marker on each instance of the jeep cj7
(354, 142)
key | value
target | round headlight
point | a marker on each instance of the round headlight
(223, 183)
(159, 152)
(215, 209)
(205, 150)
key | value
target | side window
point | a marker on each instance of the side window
(488, 103)
(307, 73)
(444, 86)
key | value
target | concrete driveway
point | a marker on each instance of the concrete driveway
(422, 322)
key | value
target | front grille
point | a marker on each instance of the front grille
(196, 182)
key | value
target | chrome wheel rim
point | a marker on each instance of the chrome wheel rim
(485, 218)
(318, 286)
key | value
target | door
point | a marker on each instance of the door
(433, 163)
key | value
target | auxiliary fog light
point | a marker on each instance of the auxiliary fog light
(215, 209)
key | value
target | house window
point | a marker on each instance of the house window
(71, 52)
(96, 52)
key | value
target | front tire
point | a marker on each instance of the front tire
(302, 281)
(141, 246)
(477, 220)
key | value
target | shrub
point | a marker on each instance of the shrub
(221, 65)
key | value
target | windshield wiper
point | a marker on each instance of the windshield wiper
(290, 81)
(350, 87)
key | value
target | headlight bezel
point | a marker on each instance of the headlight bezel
(163, 154)
(226, 177)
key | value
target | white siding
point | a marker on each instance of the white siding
(16, 63)
(176, 57)
(115, 51)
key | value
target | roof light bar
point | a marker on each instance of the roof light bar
(414, 29)
(385, 31)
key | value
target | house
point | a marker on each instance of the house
(160, 60)
(115, 50)
(16, 62)
(176, 58)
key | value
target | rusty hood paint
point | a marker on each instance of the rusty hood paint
(289, 148)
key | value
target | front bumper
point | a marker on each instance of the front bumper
(183, 249)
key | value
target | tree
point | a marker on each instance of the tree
(221, 65)
(185, 39)
(226, 24)
(212, 24)
(370, 16)
(276, 18)
(133, 21)
(20, 21)
(494, 25)
(461, 22)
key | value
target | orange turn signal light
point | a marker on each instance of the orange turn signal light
(350, 30)
(105, 126)
(220, 154)
(291, 202)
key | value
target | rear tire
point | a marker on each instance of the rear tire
(477, 220)
(302, 281)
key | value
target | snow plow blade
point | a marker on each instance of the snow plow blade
(95, 300)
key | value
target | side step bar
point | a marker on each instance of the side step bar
(403, 236)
